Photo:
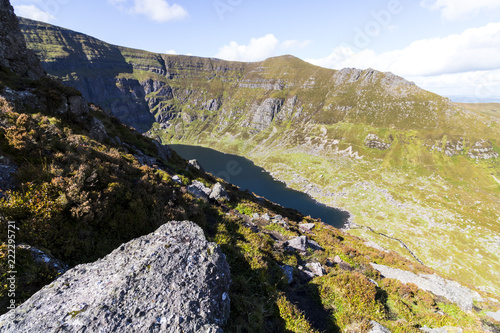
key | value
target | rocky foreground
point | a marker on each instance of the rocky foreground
(168, 281)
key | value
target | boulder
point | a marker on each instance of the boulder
(342, 264)
(494, 315)
(298, 243)
(199, 190)
(306, 227)
(378, 328)
(177, 179)
(451, 290)
(316, 268)
(219, 193)
(195, 164)
(301, 243)
(172, 280)
(77, 105)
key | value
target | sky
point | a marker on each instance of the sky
(450, 47)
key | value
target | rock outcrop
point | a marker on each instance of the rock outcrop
(451, 290)
(171, 280)
(13, 52)
(219, 193)
(374, 142)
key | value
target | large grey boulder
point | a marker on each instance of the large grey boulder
(172, 280)
(451, 290)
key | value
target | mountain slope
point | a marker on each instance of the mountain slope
(406, 163)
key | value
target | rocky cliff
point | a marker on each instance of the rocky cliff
(170, 280)
(13, 52)
(192, 98)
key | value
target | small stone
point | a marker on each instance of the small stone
(219, 193)
(494, 315)
(316, 268)
(266, 217)
(342, 264)
(199, 190)
(298, 243)
(377, 328)
(195, 164)
(306, 227)
(256, 216)
(177, 179)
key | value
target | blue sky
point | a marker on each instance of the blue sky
(451, 47)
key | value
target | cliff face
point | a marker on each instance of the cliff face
(13, 52)
(192, 98)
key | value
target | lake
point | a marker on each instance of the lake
(245, 174)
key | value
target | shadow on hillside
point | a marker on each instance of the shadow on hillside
(306, 299)
(93, 67)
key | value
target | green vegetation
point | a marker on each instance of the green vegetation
(439, 201)
(79, 198)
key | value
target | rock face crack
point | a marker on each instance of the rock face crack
(170, 280)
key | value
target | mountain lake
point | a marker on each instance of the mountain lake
(245, 174)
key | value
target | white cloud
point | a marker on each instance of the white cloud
(475, 49)
(258, 48)
(156, 10)
(295, 44)
(459, 9)
(472, 87)
(160, 10)
(34, 13)
(464, 64)
(171, 52)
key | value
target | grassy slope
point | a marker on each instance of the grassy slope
(444, 208)
(91, 196)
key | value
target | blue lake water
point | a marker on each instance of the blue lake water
(245, 174)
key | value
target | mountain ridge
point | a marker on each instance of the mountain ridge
(403, 161)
